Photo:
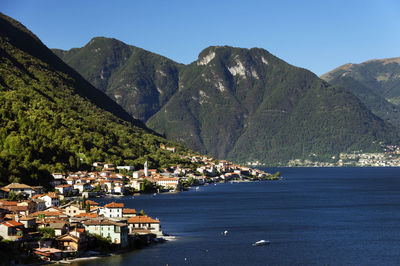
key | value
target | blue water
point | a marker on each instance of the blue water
(315, 216)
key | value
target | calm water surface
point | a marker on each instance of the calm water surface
(316, 216)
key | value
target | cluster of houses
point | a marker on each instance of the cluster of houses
(111, 180)
(72, 223)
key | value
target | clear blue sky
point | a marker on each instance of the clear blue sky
(317, 35)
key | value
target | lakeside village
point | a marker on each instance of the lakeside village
(64, 224)
(389, 158)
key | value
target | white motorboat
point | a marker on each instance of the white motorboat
(261, 243)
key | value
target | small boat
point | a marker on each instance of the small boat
(261, 243)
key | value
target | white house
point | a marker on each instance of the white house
(119, 189)
(136, 184)
(112, 210)
(51, 199)
(20, 188)
(126, 167)
(82, 186)
(64, 189)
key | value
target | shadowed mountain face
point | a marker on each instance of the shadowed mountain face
(52, 119)
(248, 105)
(375, 82)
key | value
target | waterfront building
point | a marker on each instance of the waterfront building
(116, 232)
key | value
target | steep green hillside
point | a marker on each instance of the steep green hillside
(52, 119)
(381, 76)
(140, 81)
(249, 105)
(376, 103)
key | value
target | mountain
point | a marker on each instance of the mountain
(52, 119)
(382, 76)
(248, 105)
(140, 81)
(375, 82)
(241, 104)
(375, 102)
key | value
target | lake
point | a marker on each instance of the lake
(315, 216)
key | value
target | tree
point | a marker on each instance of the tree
(83, 202)
(88, 208)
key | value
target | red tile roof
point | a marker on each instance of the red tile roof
(142, 219)
(129, 211)
(114, 205)
(12, 223)
(92, 203)
(88, 215)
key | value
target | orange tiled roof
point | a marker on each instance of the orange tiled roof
(88, 215)
(60, 186)
(142, 219)
(8, 203)
(129, 211)
(12, 223)
(114, 205)
(92, 203)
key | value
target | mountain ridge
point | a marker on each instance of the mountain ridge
(248, 105)
(376, 82)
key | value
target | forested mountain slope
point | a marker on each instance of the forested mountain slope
(53, 119)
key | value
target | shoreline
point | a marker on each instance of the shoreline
(161, 240)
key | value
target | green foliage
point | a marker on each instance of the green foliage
(147, 186)
(189, 182)
(101, 244)
(46, 232)
(83, 202)
(51, 119)
(380, 106)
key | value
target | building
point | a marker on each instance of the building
(126, 167)
(144, 223)
(11, 230)
(73, 210)
(20, 188)
(60, 228)
(82, 187)
(116, 232)
(112, 210)
(28, 222)
(72, 242)
(51, 199)
(166, 182)
(127, 213)
(64, 189)
(40, 204)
